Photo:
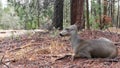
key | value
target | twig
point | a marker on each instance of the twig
(1, 62)
(117, 30)
(116, 43)
(66, 56)
(25, 46)
(109, 30)
(5, 65)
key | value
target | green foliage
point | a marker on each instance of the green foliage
(54, 33)
(93, 24)
(95, 7)
(66, 15)
(94, 15)
(1, 10)
(6, 10)
(9, 19)
(32, 14)
(46, 14)
(24, 12)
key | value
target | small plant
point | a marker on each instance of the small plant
(56, 47)
(54, 33)
(12, 35)
(93, 23)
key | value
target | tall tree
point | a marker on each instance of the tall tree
(58, 14)
(46, 3)
(73, 11)
(100, 14)
(118, 17)
(77, 12)
(38, 15)
(87, 6)
(105, 3)
(112, 10)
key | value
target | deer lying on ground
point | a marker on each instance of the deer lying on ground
(96, 48)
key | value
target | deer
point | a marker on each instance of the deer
(92, 48)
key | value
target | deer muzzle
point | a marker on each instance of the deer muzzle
(64, 33)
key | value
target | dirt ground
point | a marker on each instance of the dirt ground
(41, 50)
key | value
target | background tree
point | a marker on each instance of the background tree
(32, 13)
(87, 6)
(77, 12)
(58, 14)
(9, 18)
(35, 13)
(118, 17)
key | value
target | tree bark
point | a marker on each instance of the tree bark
(118, 17)
(38, 6)
(105, 7)
(77, 7)
(87, 6)
(73, 11)
(58, 14)
(45, 4)
(104, 14)
(101, 24)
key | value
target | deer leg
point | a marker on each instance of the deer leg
(82, 55)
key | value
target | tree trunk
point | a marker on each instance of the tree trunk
(38, 6)
(87, 6)
(113, 10)
(45, 4)
(73, 11)
(105, 7)
(116, 24)
(104, 14)
(58, 14)
(101, 24)
(77, 13)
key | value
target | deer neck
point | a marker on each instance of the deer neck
(75, 40)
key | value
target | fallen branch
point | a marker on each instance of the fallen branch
(1, 62)
(66, 56)
(25, 46)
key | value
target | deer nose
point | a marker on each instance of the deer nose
(60, 34)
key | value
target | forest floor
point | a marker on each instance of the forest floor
(42, 50)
